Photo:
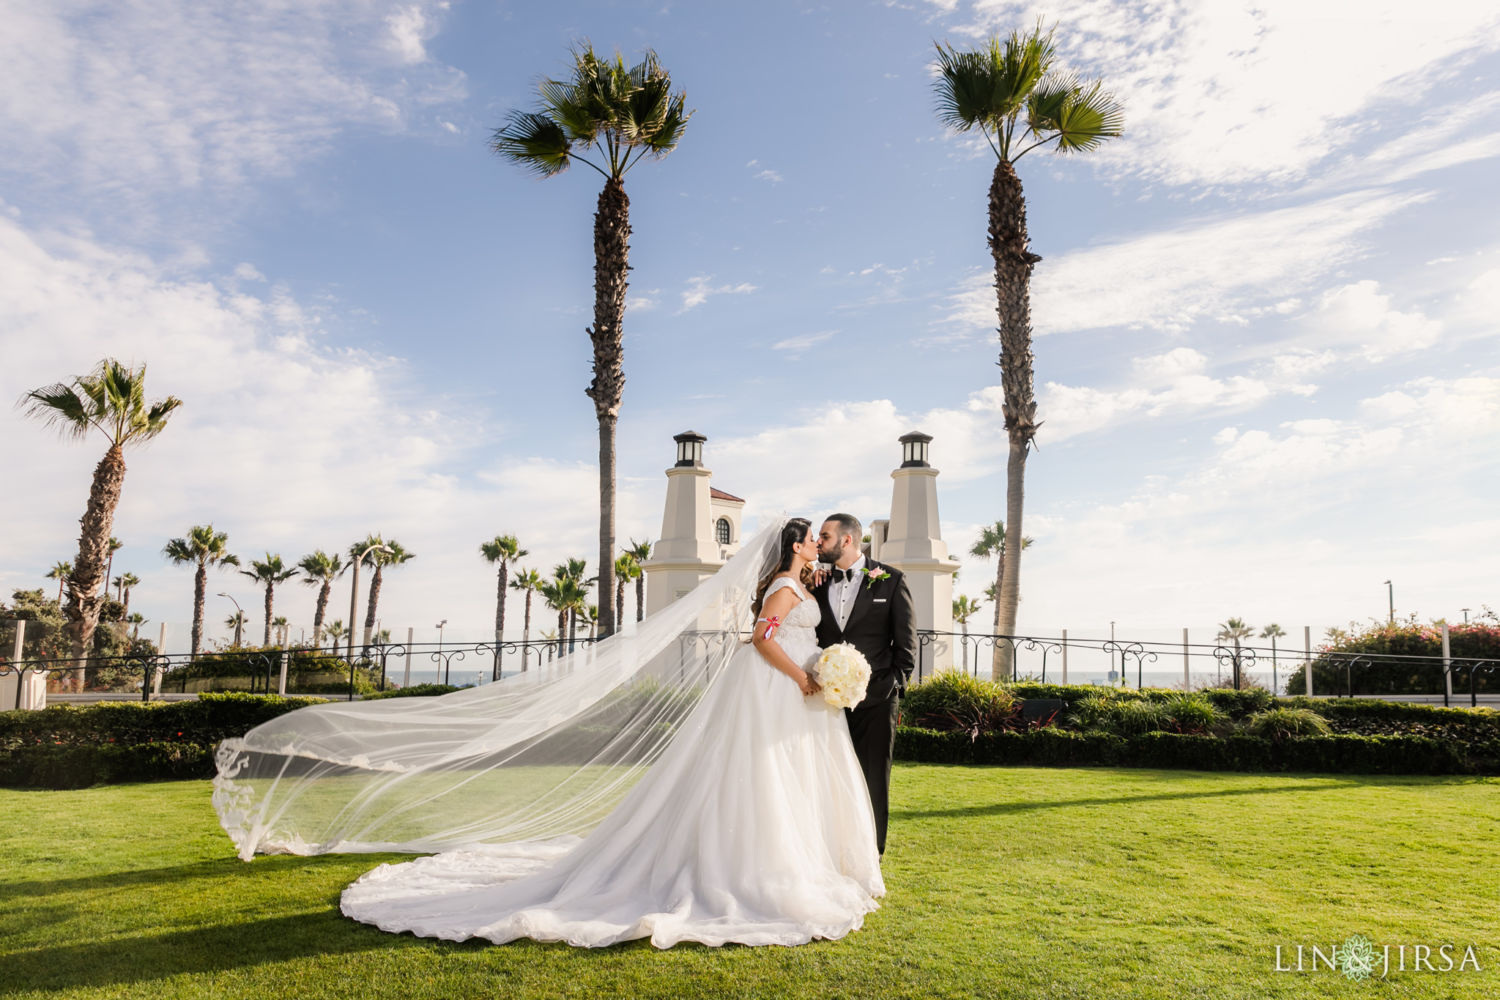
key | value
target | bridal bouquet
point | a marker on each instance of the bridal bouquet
(844, 673)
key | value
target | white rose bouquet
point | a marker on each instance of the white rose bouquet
(844, 673)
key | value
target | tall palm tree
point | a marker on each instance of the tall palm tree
(320, 570)
(640, 551)
(282, 626)
(528, 581)
(1234, 630)
(991, 542)
(1012, 94)
(1273, 632)
(575, 570)
(127, 582)
(566, 595)
(335, 631)
(111, 399)
(236, 621)
(269, 572)
(626, 569)
(204, 547)
(136, 621)
(393, 555)
(110, 548)
(501, 549)
(964, 608)
(621, 114)
(60, 572)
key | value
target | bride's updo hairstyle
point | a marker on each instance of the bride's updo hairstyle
(792, 533)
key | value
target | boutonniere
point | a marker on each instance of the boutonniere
(874, 577)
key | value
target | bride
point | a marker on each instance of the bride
(674, 783)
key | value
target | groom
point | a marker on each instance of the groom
(869, 606)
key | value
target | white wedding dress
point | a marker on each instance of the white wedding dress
(754, 826)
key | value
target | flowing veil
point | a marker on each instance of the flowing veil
(537, 758)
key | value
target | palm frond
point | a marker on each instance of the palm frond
(534, 141)
(59, 405)
(1080, 116)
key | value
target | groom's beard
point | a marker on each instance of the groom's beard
(830, 557)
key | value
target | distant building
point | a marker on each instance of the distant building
(701, 529)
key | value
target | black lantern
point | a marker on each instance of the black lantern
(690, 449)
(914, 450)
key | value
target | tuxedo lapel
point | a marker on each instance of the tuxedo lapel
(825, 609)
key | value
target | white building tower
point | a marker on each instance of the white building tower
(912, 541)
(700, 528)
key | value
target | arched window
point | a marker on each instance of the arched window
(722, 531)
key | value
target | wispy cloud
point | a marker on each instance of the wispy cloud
(796, 346)
(701, 288)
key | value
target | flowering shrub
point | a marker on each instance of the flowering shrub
(1386, 646)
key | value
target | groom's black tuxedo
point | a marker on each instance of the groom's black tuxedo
(882, 626)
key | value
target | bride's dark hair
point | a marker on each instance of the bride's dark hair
(792, 533)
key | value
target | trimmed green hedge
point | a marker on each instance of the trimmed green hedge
(1060, 747)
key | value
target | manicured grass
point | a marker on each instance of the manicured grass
(1003, 882)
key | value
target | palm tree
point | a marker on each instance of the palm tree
(1234, 630)
(549, 635)
(1273, 632)
(997, 89)
(320, 570)
(282, 626)
(528, 581)
(501, 549)
(112, 399)
(60, 572)
(964, 608)
(110, 548)
(565, 595)
(236, 621)
(136, 621)
(204, 547)
(269, 571)
(392, 555)
(335, 631)
(991, 542)
(589, 616)
(640, 551)
(626, 569)
(127, 581)
(622, 114)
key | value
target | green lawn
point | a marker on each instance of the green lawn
(1003, 882)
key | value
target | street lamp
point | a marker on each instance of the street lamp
(1390, 591)
(354, 594)
(439, 627)
(1466, 615)
(239, 618)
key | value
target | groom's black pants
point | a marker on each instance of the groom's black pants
(872, 728)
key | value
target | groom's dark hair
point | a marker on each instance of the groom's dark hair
(848, 525)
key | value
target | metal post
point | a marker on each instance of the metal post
(353, 604)
(1187, 681)
(1447, 668)
(1307, 657)
(286, 657)
(1065, 655)
(15, 657)
(406, 674)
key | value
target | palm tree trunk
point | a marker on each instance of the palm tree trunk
(109, 567)
(125, 604)
(500, 616)
(269, 599)
(323, 593)
(640, 596)
(526, 633)
(562, 631)
(620, 598)
(611, 265)
(85, 599)
(60, 581)
(374, 600)
(999, 582)
(1010, 247)
(200, 586)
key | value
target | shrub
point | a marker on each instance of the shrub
(953, 700)
(415, 691)
(1386, 646)
(1285, 723)
(1190, 713)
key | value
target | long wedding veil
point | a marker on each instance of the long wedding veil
(534, 757)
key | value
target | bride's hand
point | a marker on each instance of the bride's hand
(808, 685)
(819, 574)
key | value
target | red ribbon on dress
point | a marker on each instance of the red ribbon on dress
(772, 624)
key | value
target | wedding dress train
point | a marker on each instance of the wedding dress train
(754, 826)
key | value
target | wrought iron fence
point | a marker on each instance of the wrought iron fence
(1366, 673)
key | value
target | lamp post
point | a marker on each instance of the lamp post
(439, 627)
(239, 619)
(354, 594)
(1466, 615)
(1390, 591)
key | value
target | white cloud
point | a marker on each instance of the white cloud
(124, 102)
(1359, 313)
(700, 289)
(1213, 270)
(796, 346)
(410, 28)
(1222, 92)
(769, 175)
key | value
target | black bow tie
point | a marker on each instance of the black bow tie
(843, 574)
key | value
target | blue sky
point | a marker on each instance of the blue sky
(1265, 317)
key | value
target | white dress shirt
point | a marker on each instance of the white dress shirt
(841, 593)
